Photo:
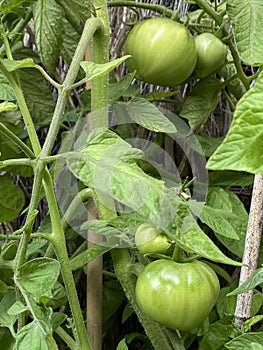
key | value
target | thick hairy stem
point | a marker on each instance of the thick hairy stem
(122, 267)
(251, 250)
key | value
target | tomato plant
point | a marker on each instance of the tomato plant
(211, 54)
(149, 240)
(177, 295)
(163, 52)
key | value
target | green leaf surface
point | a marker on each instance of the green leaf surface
(38, 277)
(230, 178)
(219, 221)
(17, 308)
(196, 241)
(6, 340)
(122, 345)
(248, 324)
(201, 102)
(31, 337)
(11, 200)
(6, 8)
(70, 41)
(88, 255)
(247, 341)
(7, 301)
(12, 65)
(218, 334)
(7, 106)
(6, 91)
(222, 199)
(246, 17)
(112, 296)
(48, 22)
(38, 96)
(149, 116)
(209, 144)
(242, 148)
(117, 90)
(97, 70)
(255, 280)
(109, 164)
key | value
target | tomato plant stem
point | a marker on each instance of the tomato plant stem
(91, 26)
(99, 99)
(59, 243)
(251, 250)
(122, 265)
(153, 7)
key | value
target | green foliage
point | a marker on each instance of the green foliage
(242, 148)
(148, 166)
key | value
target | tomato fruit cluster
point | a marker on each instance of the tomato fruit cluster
(177, 295)
(163, 52)
(148, 240)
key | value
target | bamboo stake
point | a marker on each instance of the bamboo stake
(251, 251)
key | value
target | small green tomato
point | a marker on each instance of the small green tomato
(149, 241)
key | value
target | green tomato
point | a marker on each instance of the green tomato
(163, 52)
(148, 240)
(177, 295)
(211, 54)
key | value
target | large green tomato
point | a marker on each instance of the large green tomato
(177, 295)
(211, 54)
(148, 240)
(163, 52)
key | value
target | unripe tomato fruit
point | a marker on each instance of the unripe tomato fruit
(211, 54)
(148, 240)
(177, 295)
(163, 52)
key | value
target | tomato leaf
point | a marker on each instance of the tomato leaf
(7, 106)
(201, 102)
(48, 22)
(242, 148)
(230, 178)
(88, 255)
(6, 91)
(6, 302)
(218, 334)
(255, 280)
(11, 200)
(196, 241)
(246, 18)
(247, 341)
(149, 116)
(37, 277)
(96, 70)
(220, 198)
(31, 336)
(38, 96)
(219, 221)
(12, 65)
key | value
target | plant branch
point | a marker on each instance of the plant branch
(251, 250)
(92, 25)
(131, 4)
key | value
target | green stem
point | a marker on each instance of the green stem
(16, 140)
(92, 25)
(66, 338)
(71, 16)
(130, 4)
(209, 10)
(15, 83)
(57, 238)
(122, 266)
(18, 29)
